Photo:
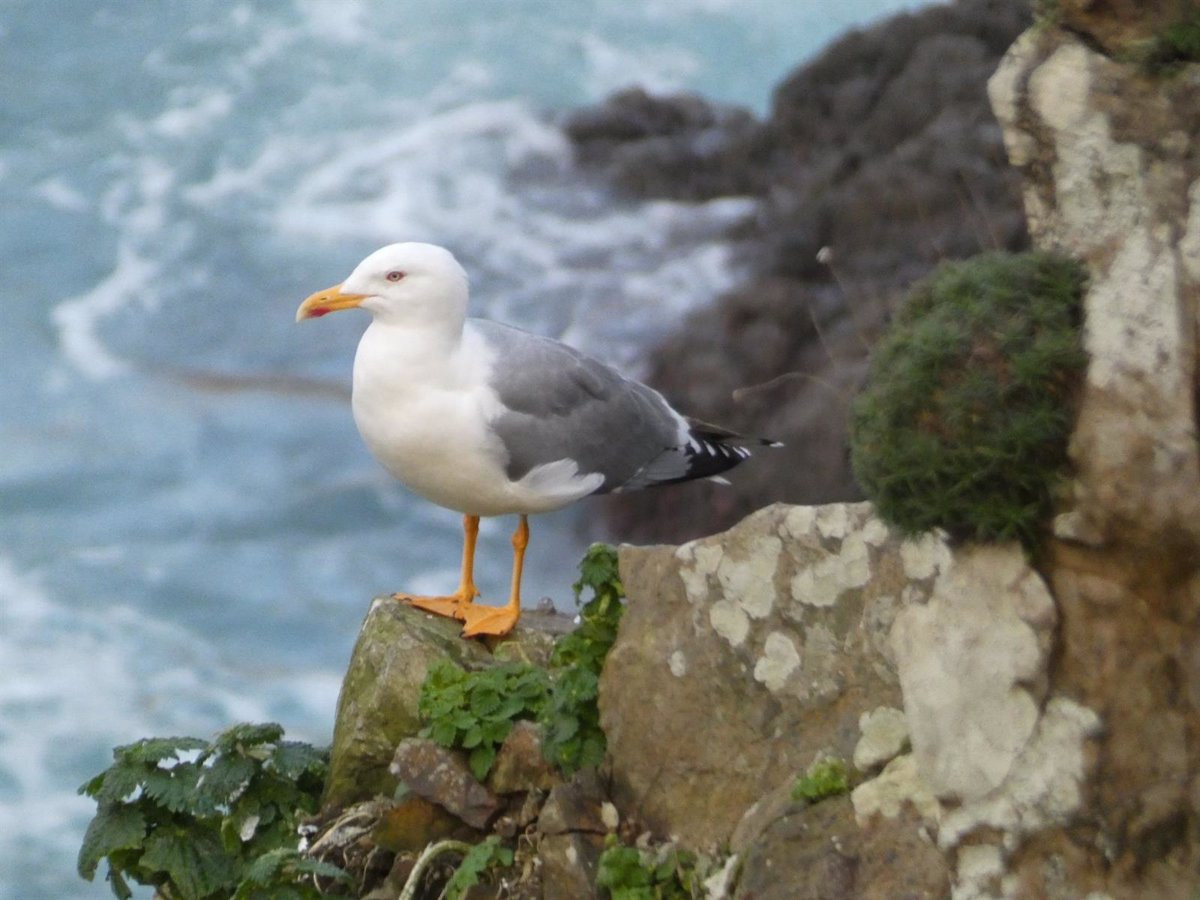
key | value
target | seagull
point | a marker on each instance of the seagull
(490, 420)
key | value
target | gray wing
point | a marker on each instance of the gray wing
(560, 404)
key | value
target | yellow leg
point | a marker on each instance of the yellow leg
(454, 606)
(498, 620)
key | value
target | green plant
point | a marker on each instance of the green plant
(475, 711)
(571, 733)
(964, 419)
(487, 854)
(825, 778)
(665, 873)
(1046, 13)
(286, 874)
(1177, 44)
(195, 818)
(476, 860)
(588, 644)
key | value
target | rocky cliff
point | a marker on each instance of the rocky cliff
(884, 152)
(1013, 728)
(1053, 712)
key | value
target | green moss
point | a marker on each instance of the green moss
(826, 778)
(1177, 44)
(1046, 13)
(1167, 52)
(665, 872)
(964, 419)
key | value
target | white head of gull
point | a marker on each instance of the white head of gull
(490, 420)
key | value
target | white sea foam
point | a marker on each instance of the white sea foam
(65, 686)
(190, 118)
(59, 193)
(75, 682)
(342, 21)
(542, 248)
(78, 318)
(435, 172)
(611, 66)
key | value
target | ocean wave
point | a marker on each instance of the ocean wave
(74, 682)
(78, 318)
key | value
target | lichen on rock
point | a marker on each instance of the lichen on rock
(780, 679)
(972, 665)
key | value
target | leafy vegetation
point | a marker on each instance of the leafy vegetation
(484, 856)
(286, 874)
(1045, 12)
(1175, 45)
(198, 819)
(571, 733)
(475, 711)
(665, 873)
(964, 420)
(825, 778)
(590, 642)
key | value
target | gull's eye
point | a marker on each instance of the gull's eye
(394, 275)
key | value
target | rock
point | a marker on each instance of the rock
(680, 147)
(377, 707)
(883, 156)
(520, 765)
(569, 866)
(1124, 28)
(571, 831)
(972, 663)
(443, 777)
(1044, 787)
(899, 785)
(1124, 199)
(819, 852)
(760, 815)
(411, 823)
(522, 811)
(769, 640)
(1101, 797)
(576, 806)
(884, 736)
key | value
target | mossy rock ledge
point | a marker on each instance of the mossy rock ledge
(377, 707)
(964, 420)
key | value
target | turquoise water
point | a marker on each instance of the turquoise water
(190, 530)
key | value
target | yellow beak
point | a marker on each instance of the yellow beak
(327, 301)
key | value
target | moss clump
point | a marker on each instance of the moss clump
(964, 419)
(1046, 13)
(1175, 45)
(825, 778)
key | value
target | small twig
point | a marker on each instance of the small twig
(741, 393)
(827, 258)
(976, 211)
(423, 861)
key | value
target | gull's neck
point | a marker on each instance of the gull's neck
(397, 357)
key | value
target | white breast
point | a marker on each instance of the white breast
(423, 409)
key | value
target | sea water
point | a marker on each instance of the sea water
(190, 530)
